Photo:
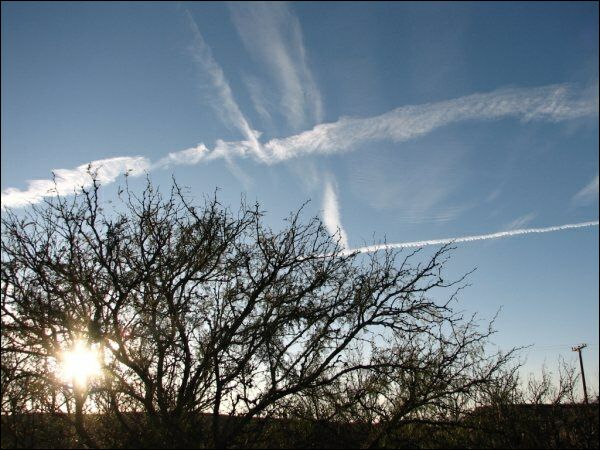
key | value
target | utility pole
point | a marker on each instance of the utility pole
(578, 350)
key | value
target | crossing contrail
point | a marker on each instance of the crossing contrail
(551, 103)
(480, 237)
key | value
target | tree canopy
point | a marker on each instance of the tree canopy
(205, 319)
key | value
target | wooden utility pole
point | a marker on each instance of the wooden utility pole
(578, 350)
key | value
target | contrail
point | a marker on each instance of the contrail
(272, 35)
(481, 237)
(225, 106)
(553, 103)
(331, 214)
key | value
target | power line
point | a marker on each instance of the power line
(557, 346)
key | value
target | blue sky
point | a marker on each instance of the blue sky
(404, 122)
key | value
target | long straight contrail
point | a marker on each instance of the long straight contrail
(480, 237)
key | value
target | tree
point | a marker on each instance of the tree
(540, 412)
(206, 320)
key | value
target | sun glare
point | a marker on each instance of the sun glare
(80, 364)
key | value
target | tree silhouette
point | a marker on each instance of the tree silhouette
(206, 320)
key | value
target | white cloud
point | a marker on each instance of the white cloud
(259, 99)
(273, 36)
(68, 181)
(189, 156)
(481, 237)
(226, 106)
(521, 221)
(588, 194)
(331, 214)
(552, 103)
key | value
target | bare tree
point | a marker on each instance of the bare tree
(200, 312)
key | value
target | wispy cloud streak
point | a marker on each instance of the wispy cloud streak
(273, 36)
(521, 221)
(331, 214)
(259, 99)
(481, 237)
(588, 194)
(226, 106)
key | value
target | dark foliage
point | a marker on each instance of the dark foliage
(215, 330)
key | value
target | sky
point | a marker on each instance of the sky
(403, 123)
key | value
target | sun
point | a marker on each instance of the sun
(80, 364)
